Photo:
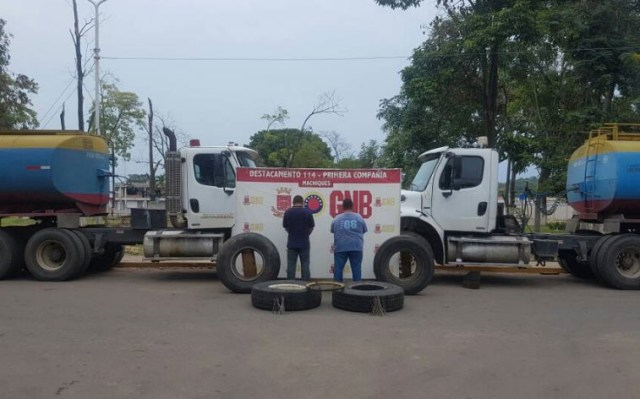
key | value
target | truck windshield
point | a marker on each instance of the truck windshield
(423, 175)
(245, 159)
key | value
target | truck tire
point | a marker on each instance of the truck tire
(86, 248)
(11, 255)
(361, 297)
(54, 254)
(422, 264)
(596, 258)
(235, 249)
(568, 260)
(292, 295)
(620, 266)
(112, 255)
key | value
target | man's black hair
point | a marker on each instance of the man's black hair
(298, 199)
(347, 204)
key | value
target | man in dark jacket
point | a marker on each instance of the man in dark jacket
(299, 223)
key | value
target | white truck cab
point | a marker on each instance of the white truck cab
(453, 203)
(208, 184)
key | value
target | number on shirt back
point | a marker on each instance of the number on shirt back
(350, 224)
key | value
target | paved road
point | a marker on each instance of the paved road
(146, 333)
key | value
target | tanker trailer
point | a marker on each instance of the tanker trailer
(56, 179)
(53, 178)
(603, 186)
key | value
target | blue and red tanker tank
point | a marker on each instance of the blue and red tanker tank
(48, 172)
(603, 176)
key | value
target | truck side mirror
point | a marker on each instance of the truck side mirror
(456, 181)
(446, 182)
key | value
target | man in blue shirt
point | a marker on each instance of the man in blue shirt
(348, 231)
(298, 222)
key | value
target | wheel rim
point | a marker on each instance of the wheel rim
(288, 287)
(403, 266)
(241, 264)
(51, 255)
(628, 262)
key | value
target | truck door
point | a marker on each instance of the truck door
(211, 182)
(462, 194)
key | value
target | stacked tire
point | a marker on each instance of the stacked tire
(364, 297)
(284, 295)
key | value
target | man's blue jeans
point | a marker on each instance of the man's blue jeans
(292, 257)
(355, 260)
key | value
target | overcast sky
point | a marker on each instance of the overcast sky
(219, 101)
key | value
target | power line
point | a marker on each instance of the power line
(384, 57)
(46, 114)
(363, 58)
(54, 114)
(73, 78)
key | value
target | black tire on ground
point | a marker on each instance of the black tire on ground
(568, 260)
(11, 254)
(394, 249)
(54, 254)
(112, 255)
(231, 254)
(291, 294)
(86, 247)
(620, 266)
(360, 297)
(595, 257)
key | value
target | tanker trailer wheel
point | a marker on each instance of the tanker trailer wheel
(406, 261)
(11, 254)
(111, 255)
(568, 260)
(284, 295)
(620, 267)
(86, 248)
(367, 295)
(54, 254)
(247, 259)
(596, 256)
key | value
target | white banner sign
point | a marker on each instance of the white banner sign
(264, 194)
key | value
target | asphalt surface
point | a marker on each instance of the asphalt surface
(148, 333)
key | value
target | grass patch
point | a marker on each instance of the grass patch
(136, 250)
(16, 221)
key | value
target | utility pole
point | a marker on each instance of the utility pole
(96, 57)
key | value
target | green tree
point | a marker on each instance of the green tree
(275, 147)
(533, 76)
(121, 114)
(369, 154)
(15, 105)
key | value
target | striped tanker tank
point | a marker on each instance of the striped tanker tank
(48, 172)
(603, 176)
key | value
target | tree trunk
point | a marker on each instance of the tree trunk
(512, 189)
(507, 188)
(491, 93)
(152, 171)
(77, 36)
(62, 118)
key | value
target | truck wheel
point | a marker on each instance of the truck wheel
(11, 255)
(621, 262)
(569, 262)
(54, 254)
(406, 261)
(246, 259)
(284, 295)
(361, 297)
(86, 248)
(596, 256)
(112, 255)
